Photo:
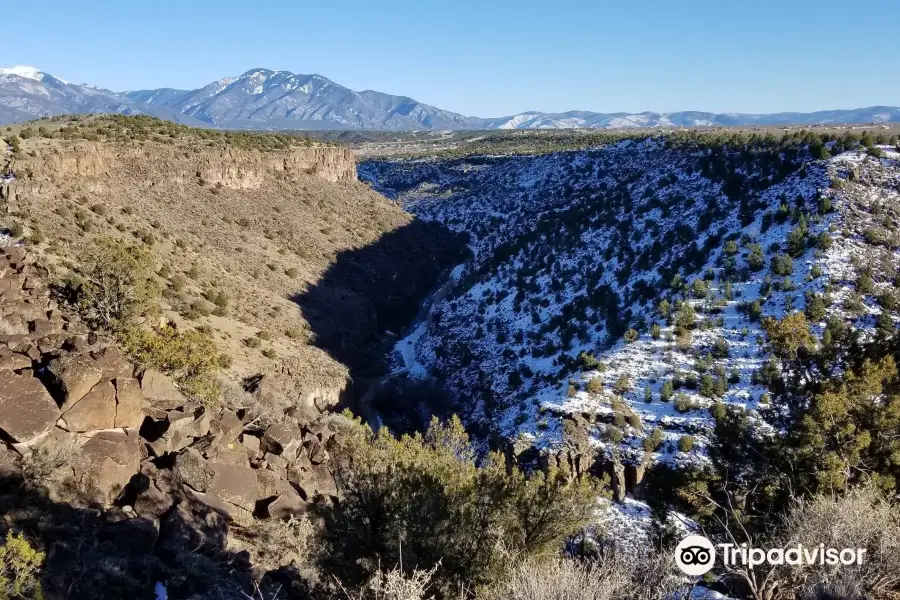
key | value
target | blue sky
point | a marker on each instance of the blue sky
(487, 58)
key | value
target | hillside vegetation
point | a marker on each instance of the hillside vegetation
(605, 275)
(709, 318)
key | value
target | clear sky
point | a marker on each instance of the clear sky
(487, 58)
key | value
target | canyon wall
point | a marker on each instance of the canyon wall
(155, 163)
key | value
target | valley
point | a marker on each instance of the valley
(586, 261)
(621, 298)
(575, 345)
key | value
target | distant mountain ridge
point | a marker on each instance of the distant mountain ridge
(261, 98)
(266, 99)
(28, 93)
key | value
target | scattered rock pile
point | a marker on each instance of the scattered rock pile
(167, 472)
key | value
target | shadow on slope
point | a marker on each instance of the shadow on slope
(370, 295)
(95, 553)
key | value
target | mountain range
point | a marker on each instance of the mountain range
(266, 99)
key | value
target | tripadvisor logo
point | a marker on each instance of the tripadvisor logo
(696, 555)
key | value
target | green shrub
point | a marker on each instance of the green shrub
(707, 389)
(685, 317)
(756, 260)
(37, 236)
(219, 298)
(20, 566)
(653, 441)
(429, 498)
(622, 385)
(782, 265)
(683, 402)
(114, 286)
(699, 288)
(589, 362)
(179, 282)
(200, 308)
(613, 435)
(594, 385)
(16, 229)
(720, 348)
(865, 284)
(190, 357)
(667, 390)
(225, 361)
(815, 307)
(686, 443)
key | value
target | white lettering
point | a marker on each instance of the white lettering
(757, 557)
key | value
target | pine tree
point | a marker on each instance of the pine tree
(667, 390)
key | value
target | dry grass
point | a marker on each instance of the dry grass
(562, 580)
(260, 415)
(274, 543)
(616, 577)
(395, 585)
(863, 518)
(39, 465)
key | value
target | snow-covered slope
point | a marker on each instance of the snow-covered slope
(572, 250)
(263, 98)
(24, 72)
(586, 119)
(29, 93)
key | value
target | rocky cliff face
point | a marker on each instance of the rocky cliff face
(233, 168)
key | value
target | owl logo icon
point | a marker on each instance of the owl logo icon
(695, 555)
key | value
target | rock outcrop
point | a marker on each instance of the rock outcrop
(26, 408)
(230, 167)
(128, 439)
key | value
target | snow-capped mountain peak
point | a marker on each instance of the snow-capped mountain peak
(24, 71)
